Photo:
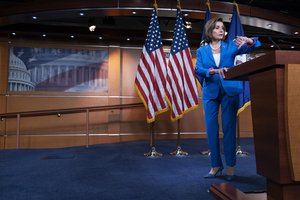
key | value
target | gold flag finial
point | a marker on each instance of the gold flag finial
(178, 4)
(155, 5)
(237, 7)
(208, 4)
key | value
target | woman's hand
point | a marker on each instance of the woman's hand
(241, 40)
(220, 71)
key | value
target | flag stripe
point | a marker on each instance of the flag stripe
(146, 74)
(176, 82)
(190, 70)
(160, 83)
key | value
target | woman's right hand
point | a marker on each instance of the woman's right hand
(220, 71)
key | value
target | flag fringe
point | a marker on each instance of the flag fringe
(149, 120)
(243, 108)
(184, 112)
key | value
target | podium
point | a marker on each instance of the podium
(274, 80)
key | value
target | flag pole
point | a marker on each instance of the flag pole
(178, 151)
(152, 152)
(236, 33)
(150, 84)
(239, 150)
(207, 17)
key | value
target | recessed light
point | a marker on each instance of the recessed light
(188, 25)
(128, 39)
(186, 14)
(34, 17)
(296, 32)
(292, 47)
(92, 27)
(81, 14)
(100, 38)
(44, 35)
(13, 33)
(133, 12)
(72, 36)
(272, 45)
(269, 25)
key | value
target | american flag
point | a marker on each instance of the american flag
(181, 86)
(150, 81)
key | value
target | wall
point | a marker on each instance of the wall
(105, 126)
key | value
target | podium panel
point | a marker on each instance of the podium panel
(292, 82)
(267, 104)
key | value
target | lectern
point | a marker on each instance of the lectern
(275, 102)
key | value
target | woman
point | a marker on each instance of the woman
(213, 60)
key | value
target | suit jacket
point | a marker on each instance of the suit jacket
(205, 61)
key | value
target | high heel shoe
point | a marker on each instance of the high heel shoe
(214, 175)
(230, 174)
(230, 177)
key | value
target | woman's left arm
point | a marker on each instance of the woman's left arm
(247, 45)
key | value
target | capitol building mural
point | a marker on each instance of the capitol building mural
(19, 78)
(57, 69)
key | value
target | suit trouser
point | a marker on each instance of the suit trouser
(229, 107)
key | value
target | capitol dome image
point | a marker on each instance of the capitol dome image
(19, 78)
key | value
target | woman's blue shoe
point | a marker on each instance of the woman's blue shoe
(230, 177)
(214, 175)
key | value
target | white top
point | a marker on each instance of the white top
(217, 58)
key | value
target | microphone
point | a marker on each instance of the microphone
(274, 43)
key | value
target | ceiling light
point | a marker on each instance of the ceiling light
(134, 12)
(272, 45)
(100, 38)
(296, 32)
(128, 39)
(72, 36)
(34, 17)
(44, 35)
(188, 25)
(92, 27)
(92, 24)
(292, 47)
(81, 14)
(13, 33)
(186, 14)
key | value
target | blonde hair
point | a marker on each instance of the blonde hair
(209, 27)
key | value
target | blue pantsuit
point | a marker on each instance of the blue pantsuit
(218, 92)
